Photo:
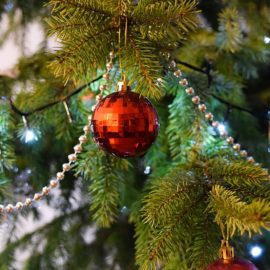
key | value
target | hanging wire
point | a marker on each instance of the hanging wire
(126, 31)
(122, 13)
(119, 48)
(25, 122)
(67, 111)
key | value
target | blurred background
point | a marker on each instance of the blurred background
(59, 229)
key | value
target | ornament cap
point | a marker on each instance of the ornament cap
(123, 85)
(226, 251)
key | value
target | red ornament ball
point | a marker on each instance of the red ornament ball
(234, 264)
(125, 124)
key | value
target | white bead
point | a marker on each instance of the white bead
(243, 153)
(106, 76)
(190, 91)
(9, 208)
(89, 118)
(102, 87)
(53, 183)
(37, 197)
(172, 64)
(1, 208)
(66, 167)
(223, 133)
(82, 139)
(98, 98)
(196, 99)
(45, 191)
(250, 160)
(86, 129)
(77, 148)
(202, 107)
(60, 175)
(112, 55)
(28, 202)
(230, 140)
(215, 124)
(72, 157)
(109, 66)
(19, 205)
(178, 73)
(184, 82)
(237, 147)
(209, 116)
(93, 108)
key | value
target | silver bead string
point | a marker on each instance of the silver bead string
(210, 118)
(106, 77)
(9, 208)
(83, 138)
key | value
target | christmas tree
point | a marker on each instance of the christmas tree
(201, 188)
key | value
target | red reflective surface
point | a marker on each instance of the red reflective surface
(125, 124)
(236, 264)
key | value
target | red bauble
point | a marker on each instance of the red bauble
(125, 124)
(234, 264)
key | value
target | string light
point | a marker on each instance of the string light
(266, 40)
(256, 251)
(222, 129)
(147, 170)
(30, 136)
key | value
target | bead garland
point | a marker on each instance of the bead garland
(210, 118)
(71, 158)
(83, 138)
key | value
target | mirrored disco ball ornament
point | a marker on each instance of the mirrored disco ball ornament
(125, 123)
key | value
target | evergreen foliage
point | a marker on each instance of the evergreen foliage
(92, 33)
(195, 190)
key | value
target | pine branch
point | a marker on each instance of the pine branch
(182, 114)
(17, 111)
(87, 52)
(168, 238)
(78, 6)
(107, 175)
(166, 196)
(229, 37)
(205, 244)
(144, 68)
(7, 151)
(237, 215)
(174, 19)
(181, 13)
(236, 173)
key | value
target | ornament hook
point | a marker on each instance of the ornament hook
(226, 251)
(123, 85)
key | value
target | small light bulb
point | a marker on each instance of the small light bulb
(147, 170)
(256, 251)
(30, 136)
(266, 40)
(124, 210)
(221, 128)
